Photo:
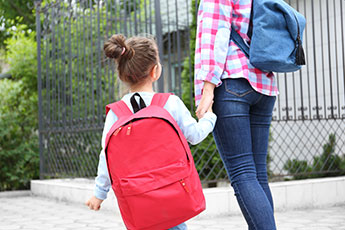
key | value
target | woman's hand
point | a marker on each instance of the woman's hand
(206, 100)
(94, 203)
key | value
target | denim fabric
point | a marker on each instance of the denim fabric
(276, 40)
(241, 135)
(182, 226)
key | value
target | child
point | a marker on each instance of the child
(139, 67)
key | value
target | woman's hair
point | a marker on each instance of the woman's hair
(135, 57)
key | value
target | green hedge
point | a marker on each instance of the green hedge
(328, 164)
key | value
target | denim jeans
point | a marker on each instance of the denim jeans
(182, 226)
(241, 134)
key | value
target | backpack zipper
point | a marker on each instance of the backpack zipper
(130, 124)
(117, 131)
(300, 56)
(129, 129)
(183, 183)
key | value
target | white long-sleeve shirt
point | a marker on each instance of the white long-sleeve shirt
(194, 132)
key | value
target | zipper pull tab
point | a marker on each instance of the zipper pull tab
(117, 131)
(129, 129)
(183, 183)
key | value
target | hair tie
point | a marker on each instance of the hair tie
(123, 51)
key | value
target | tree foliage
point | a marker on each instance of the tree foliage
(188, 64)
(22, 58)
(14, 13)
(19, 157)
(22, 8)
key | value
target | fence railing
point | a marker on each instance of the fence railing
(76, 81)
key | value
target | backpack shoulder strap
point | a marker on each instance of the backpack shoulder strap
(160, 99)
(119, 108)
(234, 36)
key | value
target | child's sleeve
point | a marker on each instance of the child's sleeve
(102, 181)
(194, 131)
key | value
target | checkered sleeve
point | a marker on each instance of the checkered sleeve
(212, 42)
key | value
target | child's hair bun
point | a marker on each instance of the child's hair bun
(135, 57)
(116, 47)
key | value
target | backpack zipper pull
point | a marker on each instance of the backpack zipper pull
(117, 131)
(300, 56)
(129, 129)
(183, 183)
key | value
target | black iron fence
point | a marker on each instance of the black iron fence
(76, 81)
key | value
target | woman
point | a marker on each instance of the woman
(244, 98)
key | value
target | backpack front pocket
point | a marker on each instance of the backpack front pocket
(158, 195)
(153, 179)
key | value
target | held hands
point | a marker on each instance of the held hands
(94, 203)
(206, 101)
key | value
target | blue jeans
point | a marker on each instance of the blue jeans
(241, 134)
(182, 226)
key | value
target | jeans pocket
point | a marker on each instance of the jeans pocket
(239, 87)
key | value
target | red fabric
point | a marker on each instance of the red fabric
(152, 169)
(120, 107)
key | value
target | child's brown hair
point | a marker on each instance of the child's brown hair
(135, 57)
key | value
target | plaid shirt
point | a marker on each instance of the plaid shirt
(216, 57)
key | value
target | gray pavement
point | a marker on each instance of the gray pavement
(36, 213)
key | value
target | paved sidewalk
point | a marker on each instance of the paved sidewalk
(36, 213)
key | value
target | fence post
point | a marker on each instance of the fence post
(159, 36)
(39, 83)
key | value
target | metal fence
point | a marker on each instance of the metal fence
(76, 81)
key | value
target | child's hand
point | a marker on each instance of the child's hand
(94, 203)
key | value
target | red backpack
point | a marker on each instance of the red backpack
(151, 168)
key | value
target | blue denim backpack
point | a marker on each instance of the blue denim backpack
(276, 37)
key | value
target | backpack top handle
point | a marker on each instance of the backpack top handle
(136, 107)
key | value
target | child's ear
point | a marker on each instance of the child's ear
(153, 74)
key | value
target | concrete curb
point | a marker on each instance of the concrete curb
(12, 194)
(290, 195)
(77, 190)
